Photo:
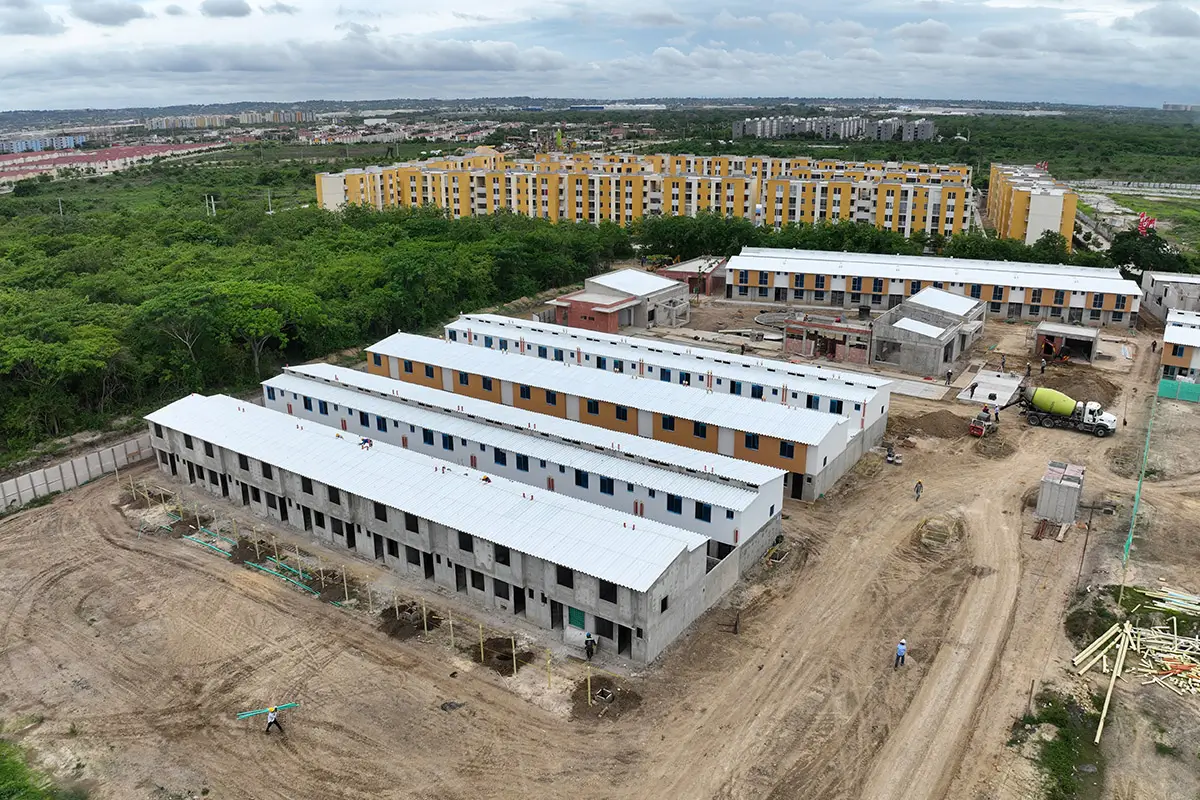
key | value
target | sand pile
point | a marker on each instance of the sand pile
(938, 424)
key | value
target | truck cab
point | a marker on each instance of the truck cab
(1094, 415)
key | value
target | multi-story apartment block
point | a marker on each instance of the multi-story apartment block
(1086, 295)
(1180, 357)
(1024, 202)
(1169, 291)
(835, 128)
(899, 196)
(42, 143)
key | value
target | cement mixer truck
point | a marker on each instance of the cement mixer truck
(1053, 409)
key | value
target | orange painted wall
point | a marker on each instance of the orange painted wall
(607, 418)
(768, 453)
(537, 402)
(684, 436)
(475, 387)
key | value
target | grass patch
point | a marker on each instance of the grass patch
(1181, 215)
(19, 781)
(1164, 749)
(1090, 619)
(1064, 758)
(1137, 605)
(36, 502)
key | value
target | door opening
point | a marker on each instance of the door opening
(378, 546)
(351, 543)
(245, 495)
(556, 615)
(224, 486)
(174, 469)
(191, 473)
(624, 640)
(460, 578)
(307, 515)
(518, 600)
(427, 559)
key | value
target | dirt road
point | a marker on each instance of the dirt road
(135, 653)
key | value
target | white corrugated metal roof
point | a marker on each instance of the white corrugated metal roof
(599, 463)
(1174, 277)
(639, 344)
(949, 302)
(583, 536)
(690, 361)
(725, 410)
(1074, 331)
(1178, 334)
(710, 466)
(633, 281)
(921, 328)
(1184, 318)
(936, 268)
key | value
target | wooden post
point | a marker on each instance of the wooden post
(198, 525)
(345, 584)
(275, 545)
(370, 602)
(547, 668)
(1032, 684)
(257, 555)
(235, 536)
(481, 643)
(424, 616)
(589, 683)
(513, 639)
(396, 604)
(450, 617)
(321, 571)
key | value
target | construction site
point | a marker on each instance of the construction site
(144, 612)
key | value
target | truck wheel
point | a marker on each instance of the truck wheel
(1033, 419)
(1100, 432)
(1048, 422)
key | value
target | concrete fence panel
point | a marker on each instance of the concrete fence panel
(73, 472)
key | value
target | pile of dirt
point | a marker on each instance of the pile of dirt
(995, 446)
(188, 525)
(1080, 383)
(938, 424)
(245, 551)
(939, 534)
(331, 586)
(404, 621)
(622, 702)
(498, 655)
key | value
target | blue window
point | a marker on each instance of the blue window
(699, 430)
(914, 287)
(762, 278)
(454, 336)
(487, 384)
(464, 378)
(835, 406)
(787, 450)
(629, 487)
(618, 365)
(524, 392)
(429, 371)
(877, 285)
(674, 504)
(601, 362)
(500, 457)
(685, 379)
(650, 492)
(729, 513)
(820, 282)
(427, 436)
(504, 344)
(364, 419)
(487, 341)
(270, 393)
(523, 463)
(308, 404)
(541, 351)
(858, 406)
(323, 407)
(593, 406)
(703, 512)
(856, 284)
(735, 387)
(551, 398)
(581, 478)
(558, 355)
(1177, 350)
(751, 441)
(408, 367)
(381, 424)
(447, 441)
(622, 413)
(377, 359)
(813, 402)
(1097, 300)
(756, 391)
(606, 485)
(665, 375)
(743, 276)
(668, 423)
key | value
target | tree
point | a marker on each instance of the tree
(256, 314)
(1133, 252)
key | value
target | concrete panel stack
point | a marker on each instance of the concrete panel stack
(1058, 496)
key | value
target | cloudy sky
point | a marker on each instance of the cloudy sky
(112, 53)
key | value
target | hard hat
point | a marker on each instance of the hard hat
(272, 708)
(901, 641)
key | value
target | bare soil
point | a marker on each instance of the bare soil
(940, 424)
(406, 621)
(623, 700)
(1080, 382)
(149, 646)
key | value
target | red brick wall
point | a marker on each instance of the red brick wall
(582, 315)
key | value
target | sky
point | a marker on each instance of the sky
(118, 53)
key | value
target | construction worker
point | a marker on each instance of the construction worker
(996, 411)
(1003, 363)
(589, 645)
(1043, 372)
(972, 389)
(901, 649)
(920, 487)
(273, 719)
(1154, 346)
(948, 374)
(1028, 369)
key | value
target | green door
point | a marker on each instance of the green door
(575, 617)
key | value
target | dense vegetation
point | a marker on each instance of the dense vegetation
(19, 782)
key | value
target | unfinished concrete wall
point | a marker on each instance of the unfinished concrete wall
(73, 472)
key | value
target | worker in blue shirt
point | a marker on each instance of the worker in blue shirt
(901, 649)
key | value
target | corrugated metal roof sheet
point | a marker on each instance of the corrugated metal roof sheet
(951, 303)
(935, 268)
(727, 411)
(1174, 277)
(691, 362)
(920, 328)
(696, 462)
(1074, 331)
(1178, 334)
(1184, 318)
(530, 444)
(633, 281)
(582, 536)
(639, 344)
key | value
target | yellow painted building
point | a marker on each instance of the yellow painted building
(584, 187)
(1024, 202)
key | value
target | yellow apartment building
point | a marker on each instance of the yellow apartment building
(1024, 202)
(905, 197)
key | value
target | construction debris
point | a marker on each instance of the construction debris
(1176, 601)
(1167, 659)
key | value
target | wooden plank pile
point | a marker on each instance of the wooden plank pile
(1166, 659)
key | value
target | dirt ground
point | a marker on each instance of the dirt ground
(128, 657)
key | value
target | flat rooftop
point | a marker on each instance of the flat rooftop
(919, 328)
(696, 462)
(633, 281)
(724, 410)
(1071, 331)
(949, 302)
(585, 537)
(526, 443)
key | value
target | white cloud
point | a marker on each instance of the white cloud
(927, 36)
(726, 20)
(279, 8)
(789, 21)
(845, 29)
(175, 11)
(1164, 19)
(114, 13)
(225, 8)
(27, 18)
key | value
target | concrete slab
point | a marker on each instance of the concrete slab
(1003, 384)
(929, 390)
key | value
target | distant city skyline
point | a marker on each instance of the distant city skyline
(57, 54)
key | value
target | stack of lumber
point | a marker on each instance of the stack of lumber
(1176, 601)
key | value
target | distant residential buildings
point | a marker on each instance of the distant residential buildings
(202, 121)
(883, 130)
(1180, 107)
(584, 187)
(42, 143)
(274, 117)
(1024, 202)
(187, 123)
